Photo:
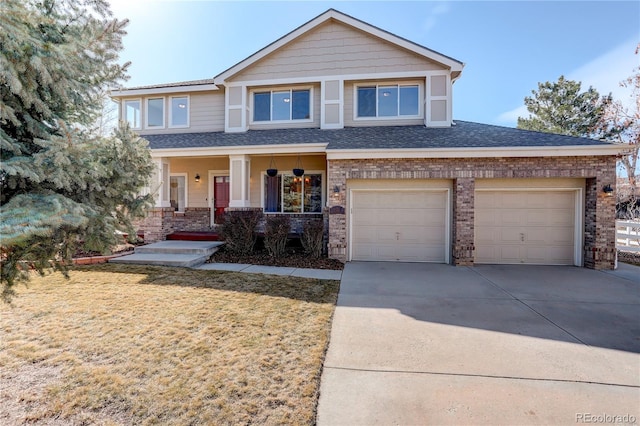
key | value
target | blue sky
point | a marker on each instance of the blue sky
(507, 46)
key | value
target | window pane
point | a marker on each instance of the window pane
(292, 194)
(313, 193)
(409, 100)
(179, 111)
(387, 101)
(272, 199)
(177, 192)
(132, 113)
(262, 106)
(300, 109)
(282, 105)
(155, 112)
(366, 101)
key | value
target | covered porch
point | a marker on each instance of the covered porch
(192, 192)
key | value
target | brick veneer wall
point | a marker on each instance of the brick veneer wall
(599, 218)
(162, 221)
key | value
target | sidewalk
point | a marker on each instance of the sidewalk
(321, 274)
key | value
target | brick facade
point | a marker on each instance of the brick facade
(599, 214)
(162, 221)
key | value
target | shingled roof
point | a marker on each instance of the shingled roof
(464, 134)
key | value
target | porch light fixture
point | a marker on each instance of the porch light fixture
(608, 189)
(272, 171)
(298, 171)
(197, 177)
(336, 190)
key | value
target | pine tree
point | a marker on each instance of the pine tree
(561, 108)
(61, 182)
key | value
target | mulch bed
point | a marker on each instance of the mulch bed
(295, 258)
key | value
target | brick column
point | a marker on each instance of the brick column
(463, 221)
(600, 222)
(337, 195)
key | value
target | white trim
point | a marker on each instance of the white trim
(402, 75)
(448, 207)
(310, 148)
(398, 84)
(252, 92)
(578, 227)
(290, 173)
(163, 90)
(123, 114)
(170, 107)
(355, 154)
(340, 17)
(211, 174)
(472, 152)
(146, 114)
(186, 189)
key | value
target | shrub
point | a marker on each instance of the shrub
(239, 230)
(276, 233)
(312, 238)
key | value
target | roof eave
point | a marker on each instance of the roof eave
(121, 93)
(478, 152)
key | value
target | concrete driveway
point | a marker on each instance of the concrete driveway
(436, 344)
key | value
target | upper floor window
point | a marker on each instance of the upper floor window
(388, 100)
(179, 111)
(155, 112)
(282, 105)
(132, 113)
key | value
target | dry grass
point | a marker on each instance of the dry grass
(150, 345)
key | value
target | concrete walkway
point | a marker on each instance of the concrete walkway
(321, 274)
(436, 344)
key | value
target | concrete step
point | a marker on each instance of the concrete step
(187, 254)
(163, 259)
(180, 247)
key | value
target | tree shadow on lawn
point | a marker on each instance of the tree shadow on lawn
(309, 290)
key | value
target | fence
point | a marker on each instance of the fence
(628, 235)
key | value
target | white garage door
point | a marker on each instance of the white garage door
(400, 225)
(531, 227)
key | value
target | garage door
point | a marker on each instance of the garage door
(401, 225)
(531, 227)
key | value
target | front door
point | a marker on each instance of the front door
(220, 197)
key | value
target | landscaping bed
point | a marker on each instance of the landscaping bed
(295, 257)
(127, 344)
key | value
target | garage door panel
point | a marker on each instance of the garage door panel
(536, 227)
(399, 225)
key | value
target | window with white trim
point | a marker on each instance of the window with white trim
(286, 193)
(155, 112)
(132, 113)
(388, 100)
(282, 105)
(179, 111)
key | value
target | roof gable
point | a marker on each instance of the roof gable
(338, 17)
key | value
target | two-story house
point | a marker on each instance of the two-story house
(344, 122)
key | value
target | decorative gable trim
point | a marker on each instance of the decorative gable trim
(332, 14)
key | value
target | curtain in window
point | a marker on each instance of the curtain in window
(272, 194)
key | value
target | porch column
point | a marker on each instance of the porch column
(160, 182)
(239, 168)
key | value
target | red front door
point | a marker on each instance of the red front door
(220, 196)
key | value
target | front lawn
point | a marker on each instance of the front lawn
(121, 344)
